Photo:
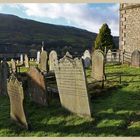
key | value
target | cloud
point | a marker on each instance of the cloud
(82, 15)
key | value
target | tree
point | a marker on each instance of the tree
(104, 39)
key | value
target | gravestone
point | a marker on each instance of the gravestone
(38, 57)
(43, 61)
(16, 95)
(13, 66)
(52, 60)
(135, 58)
(86, 58)
(98, 65)
(5, 72)
(109, 56)
(72, 86)
(21, 59)
(37, 86)
(26, 61)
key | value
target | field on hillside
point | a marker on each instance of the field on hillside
(116, 110)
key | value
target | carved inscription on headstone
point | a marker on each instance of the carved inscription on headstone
(87, 59)
(37, 86)
(135, 59)
(52, 60)
(98, 65)
(43, 61)
(16, 95)
(71, 82)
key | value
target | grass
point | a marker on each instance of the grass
(116, 111)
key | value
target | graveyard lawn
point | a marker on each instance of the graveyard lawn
(116, 110)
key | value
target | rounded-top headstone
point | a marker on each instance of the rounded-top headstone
(135, 58)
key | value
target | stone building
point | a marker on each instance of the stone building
(129, 27)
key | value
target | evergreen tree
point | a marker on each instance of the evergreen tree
(104, 39)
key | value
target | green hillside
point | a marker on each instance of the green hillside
(23, 32)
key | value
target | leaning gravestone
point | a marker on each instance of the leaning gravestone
(135, 58)
(5, 72)
(52, 60)
(98, 65)
(37, 86)
(26, 61)
(87, 59)
(72, 86)
(16, 95)
(43, 61)
(13, 66)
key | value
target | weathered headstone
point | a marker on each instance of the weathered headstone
(26, 61)
(109, 56)
(52, 60)
(98, 65)
(38, 57)
(37, 86)
(13, 66)
(44, 61)
(21, 59)
(72, 86)
(5, 72)
(135, 58)
(16, 95)
(87, 59)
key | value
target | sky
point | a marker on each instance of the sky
(88, 16)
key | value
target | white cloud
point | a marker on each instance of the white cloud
(79, 15)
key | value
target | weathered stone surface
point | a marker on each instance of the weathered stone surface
(52, 60)
(98, 65)
(26, 61)
(72, 86)
(37, 86)
(135, 58)
(13, 66)
(44, 61)
(16, 95)
(87, 59)
(129, 27)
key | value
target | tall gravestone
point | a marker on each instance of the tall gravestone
(5, 75)
(98, 65)
(5, 72)
(38, 57)
(72, 86)
(21, 59)
(13, 66)
(87, 59)
(16, 95)
(44, 61)
(135, 58)
(52, 60)
(37, 86)
(109, 56)
(26, 61)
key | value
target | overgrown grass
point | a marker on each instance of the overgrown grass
(116, 111)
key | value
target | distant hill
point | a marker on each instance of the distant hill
(18, 34)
